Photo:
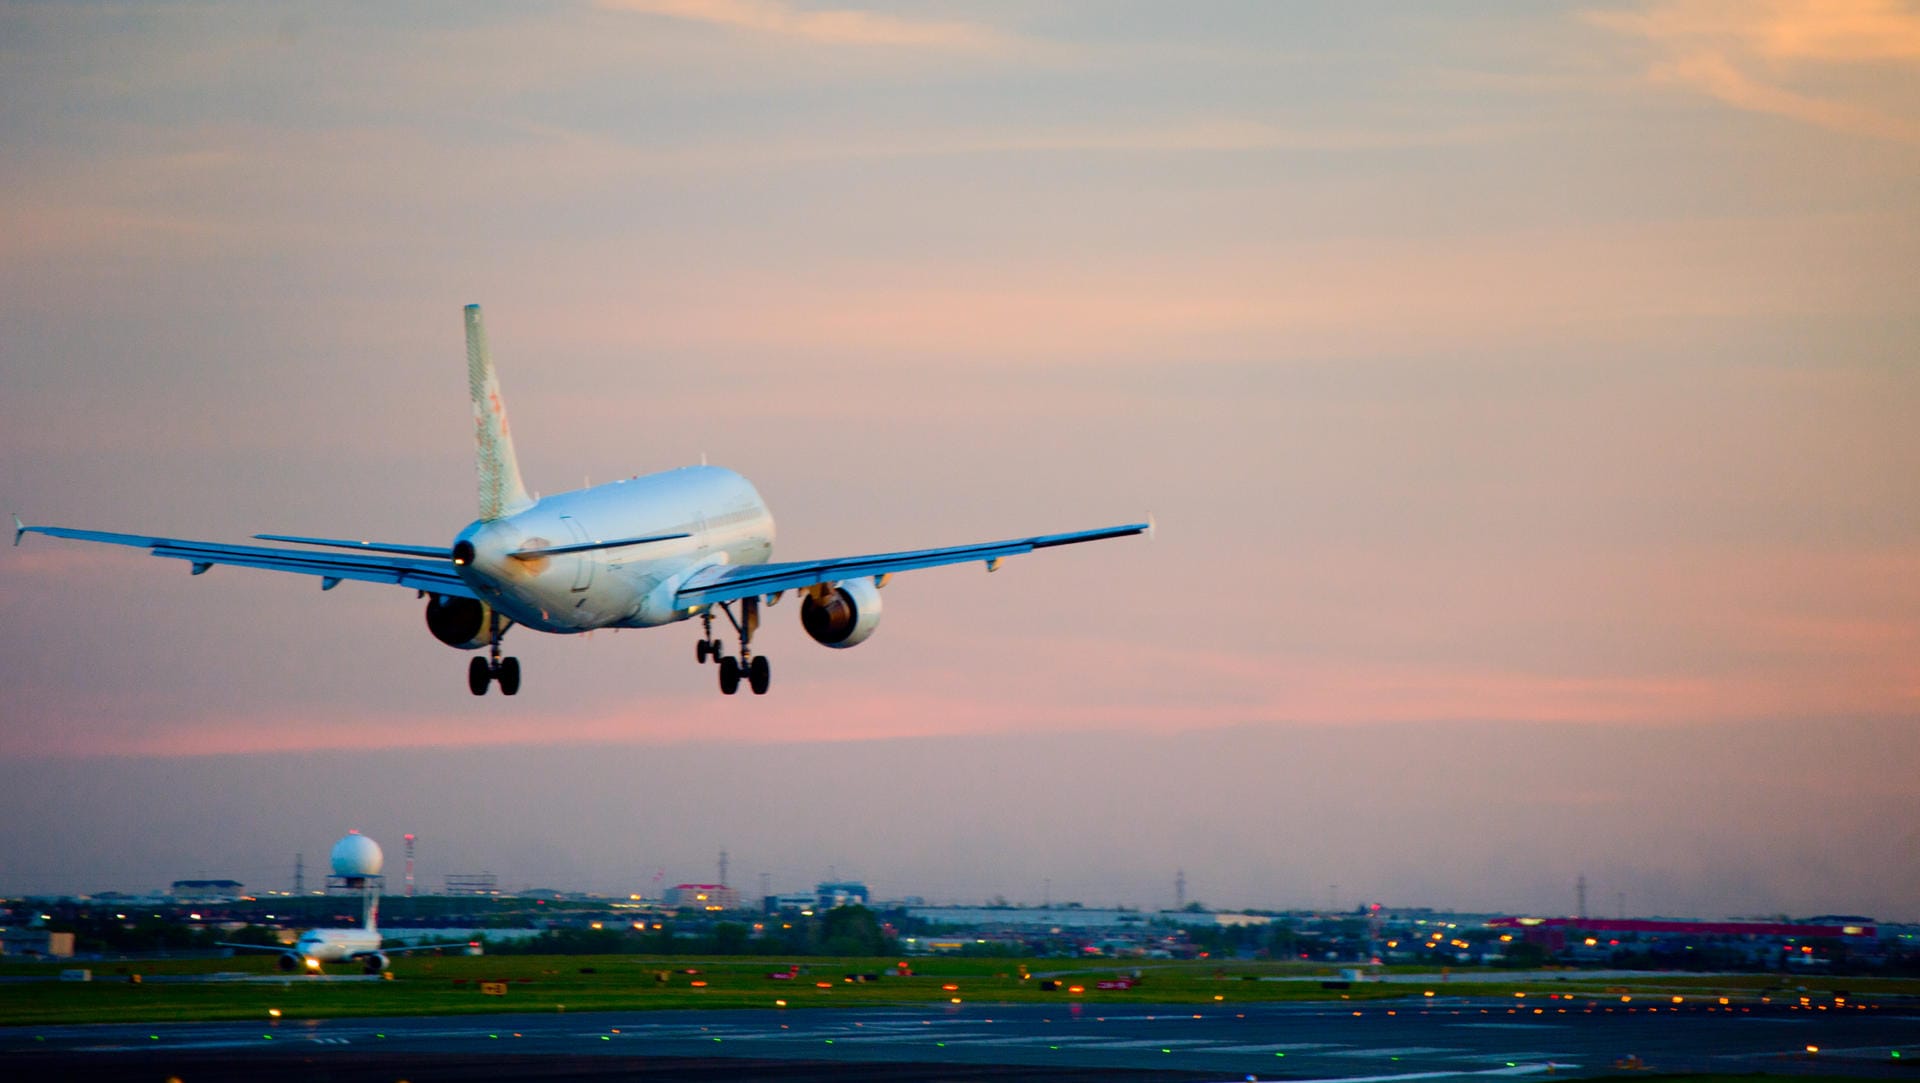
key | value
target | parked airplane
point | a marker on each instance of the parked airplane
(637, 553)
(356, 860)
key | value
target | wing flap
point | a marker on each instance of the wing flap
(728, 583)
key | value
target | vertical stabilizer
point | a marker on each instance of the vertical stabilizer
(501, 492)
(370, 909)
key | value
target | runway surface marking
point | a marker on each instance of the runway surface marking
(1147, 1043)
(1523, 1069)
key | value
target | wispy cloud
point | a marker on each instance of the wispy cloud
(836, 26)
(1747, 54)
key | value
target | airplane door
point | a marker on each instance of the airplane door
(583, 569)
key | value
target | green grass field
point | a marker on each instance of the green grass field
(445, 985)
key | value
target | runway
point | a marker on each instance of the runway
(1410, 1040)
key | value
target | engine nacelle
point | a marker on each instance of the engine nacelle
(843, 615)
(462, 623)
(373, 964)
(288, 962)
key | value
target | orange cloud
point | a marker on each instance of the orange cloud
(833, 27)
(1715, 47)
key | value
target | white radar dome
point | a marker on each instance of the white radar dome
(356, 855)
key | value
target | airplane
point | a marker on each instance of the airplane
(358, 944)
(356, 861)
(641, 552)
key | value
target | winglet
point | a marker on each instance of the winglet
(501, 492)
(1153, 527)
(19, 528)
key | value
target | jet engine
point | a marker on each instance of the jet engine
(288, 962)
(373, 964)
(842, 615)
(461, 623)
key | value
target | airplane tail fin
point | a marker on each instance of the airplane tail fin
(370, 913)
(501, 492)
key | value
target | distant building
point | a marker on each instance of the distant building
(35, 942)
(703, 897)
(840, 893)
(805, 901)
(207, 890)
(1034, 917)
(472, 883)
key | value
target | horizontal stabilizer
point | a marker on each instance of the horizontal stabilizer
(583, 547)
(365, 546)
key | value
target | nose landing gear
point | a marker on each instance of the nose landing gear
(752, 668)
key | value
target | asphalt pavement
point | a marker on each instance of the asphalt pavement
(1371, 1042)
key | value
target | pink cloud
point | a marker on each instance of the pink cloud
(1720, 48)
(844, 26)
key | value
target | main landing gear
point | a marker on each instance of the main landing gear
(749, 666)
(484, 671)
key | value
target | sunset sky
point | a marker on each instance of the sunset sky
(1528, 395)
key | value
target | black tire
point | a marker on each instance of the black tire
(759, 674)
(729, 675)
(479, 676)
(700, 652)
(715, 649)
(509, 676)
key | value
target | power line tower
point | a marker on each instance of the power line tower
(1580, 896)
(723, 868)
(409, 839)
(300, 874)
(1180, 889)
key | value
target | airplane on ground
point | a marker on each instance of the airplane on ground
(356, 860)
(358, 944)
(637, 553)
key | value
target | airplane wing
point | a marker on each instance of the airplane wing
(431, 575)
(276, 948)
(725, 583)
(464, 944)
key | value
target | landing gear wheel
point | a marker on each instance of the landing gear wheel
(508, 674)
(479, 675)
(729, 675)
(715, 649)
(700, 650)
(759, 673)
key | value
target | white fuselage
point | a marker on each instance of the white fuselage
(336, 945)
(631, 586)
